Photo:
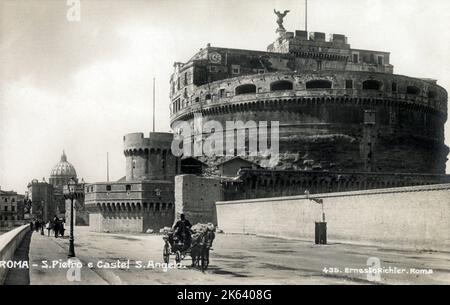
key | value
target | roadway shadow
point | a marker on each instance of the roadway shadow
(20, 276)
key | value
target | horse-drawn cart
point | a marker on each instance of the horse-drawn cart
(198, 246)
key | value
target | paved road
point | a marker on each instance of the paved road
(236, 259)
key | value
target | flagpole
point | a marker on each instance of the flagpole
(107, 166)
(153, 104)
(306, 15)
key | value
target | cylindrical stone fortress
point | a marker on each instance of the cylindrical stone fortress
(342, 109)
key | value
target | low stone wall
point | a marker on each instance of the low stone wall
(99, 223)
(408, 217)
(9, 242)
(131, 224)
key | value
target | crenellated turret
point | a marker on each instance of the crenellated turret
(149, 158)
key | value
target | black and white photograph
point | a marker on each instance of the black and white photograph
(251, 144)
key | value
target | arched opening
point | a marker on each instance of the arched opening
(319, 84)
(281, 85)
(371, 85)
(245, 89)
(412, 90)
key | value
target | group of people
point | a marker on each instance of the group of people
(56, 226)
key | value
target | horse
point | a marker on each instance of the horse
(200, 246)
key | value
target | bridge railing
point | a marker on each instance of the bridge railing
(9, 242)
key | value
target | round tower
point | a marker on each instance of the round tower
(149, 158)
(341, 108)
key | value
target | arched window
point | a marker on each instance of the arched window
(281, 85)
(245, 89)
(319, 84)
(371, 85)
(412, 90)
(208, 97)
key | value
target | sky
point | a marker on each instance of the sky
(81, 85)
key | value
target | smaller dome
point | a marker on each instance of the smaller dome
(63, 169)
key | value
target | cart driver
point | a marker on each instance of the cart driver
(182, 229)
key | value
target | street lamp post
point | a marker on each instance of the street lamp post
(71, 187)
(42, 216)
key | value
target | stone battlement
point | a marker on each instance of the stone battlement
(149, 158)
(156, 140)
(313, 38)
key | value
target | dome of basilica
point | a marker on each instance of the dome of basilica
(63, 169)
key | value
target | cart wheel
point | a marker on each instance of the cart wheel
(166, 253)
(178, 257)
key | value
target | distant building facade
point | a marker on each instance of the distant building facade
(11, 208)
(41, 197)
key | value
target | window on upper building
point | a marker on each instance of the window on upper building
(212, 69)
(319, 65)
(108, 187)
(394, 87)
(128, 187)
(349, 84)
(380, 60)
(6, 208)
(355, 58)
(281, 85)
(208, 97)
(13, 208)
(235, 69)
(185, 79)
(261, 71)
(178, 83)
(221, 93)
(371, 85)
(6, 200)
(245, 89)
(319, 84)
(412, 90)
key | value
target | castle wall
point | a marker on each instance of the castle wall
(196, 197)
(409, 217)
(99, 223)
(130, 206)
(269, 183)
